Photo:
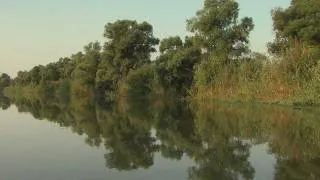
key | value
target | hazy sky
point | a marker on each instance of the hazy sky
(36, 32)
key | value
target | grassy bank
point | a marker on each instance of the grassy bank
(291, 79)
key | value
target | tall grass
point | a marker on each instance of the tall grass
(291, 78)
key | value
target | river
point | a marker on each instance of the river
(156, 139)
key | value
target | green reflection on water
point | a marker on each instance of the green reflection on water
(216, 136)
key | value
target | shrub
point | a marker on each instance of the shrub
(139, 82)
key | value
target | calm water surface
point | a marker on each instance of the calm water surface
(49, 139)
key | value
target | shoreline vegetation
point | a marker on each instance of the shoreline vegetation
(214, 62)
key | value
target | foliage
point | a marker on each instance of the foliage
(86, 64)
(300, 21)
(176, 63)
(218, 30)
(128, 47)
(214, 61)
(140, 81)
(286, 78)
(223, 40)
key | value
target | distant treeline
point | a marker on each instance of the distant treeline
(213, 62)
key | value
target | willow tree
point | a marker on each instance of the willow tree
(176, 63)
(222, 36)
(218, 30)
(129, 46)
(86, 64)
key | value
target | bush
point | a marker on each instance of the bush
(139, 82)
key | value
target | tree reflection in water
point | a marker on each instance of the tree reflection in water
(216, 136)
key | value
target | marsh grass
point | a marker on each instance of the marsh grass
(292, 78)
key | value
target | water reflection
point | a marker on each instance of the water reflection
(218, 137)
(4, 102)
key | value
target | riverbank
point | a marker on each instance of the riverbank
(291, 79)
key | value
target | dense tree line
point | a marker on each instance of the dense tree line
(213, 60)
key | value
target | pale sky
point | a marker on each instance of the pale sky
(34, 32)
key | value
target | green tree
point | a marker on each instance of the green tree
(222, 37)
(86, 65)
(170, 44)
(49, 73)
(176, 63)
(139, 82)
(217, 28)
(65, 67)
(35, 75)
(129, 45)
(300, 21)
(23, 78)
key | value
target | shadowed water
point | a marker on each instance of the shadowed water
(156, 139)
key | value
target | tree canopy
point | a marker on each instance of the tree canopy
(300, 21)
(129, 45)
(218, 30)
